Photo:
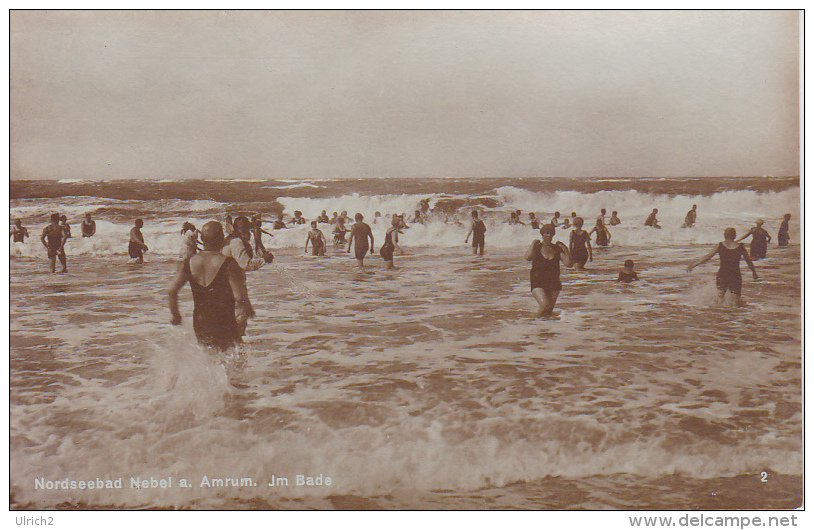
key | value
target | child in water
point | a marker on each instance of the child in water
(627, 274)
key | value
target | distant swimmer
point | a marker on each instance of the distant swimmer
(339, 232)
(239, 246)
(760, 240)
(18, 232)
(391, 242)
(555, 221)
(603, 235)
(689, 219)
(323, 217)
(54, 240)
(580, 245)
(88, 226)
(218, 283)
(567, 223)
(729, 272)
(601, 217)
(317, 240)
(478, 233)
(651, 219)
(627, 274)
(418, 217)
(136, 248)
(279, 223)
(425, 205)
(298, 218)
(535, 224)
(189, 234)
(360, 232)
(782, 234)
(545, 258)
(257, 232)
(402, 222)
(614, 219)
(512, 218)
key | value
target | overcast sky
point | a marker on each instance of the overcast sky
(281, 94)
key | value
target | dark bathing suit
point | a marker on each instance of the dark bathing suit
(760, 240)
(135, 250)
(478, 235)
(388, 247)
(360, 240)
(783, 234)
(626, 277)
(580, 252)
(729, 273)
(54, 236)
(601, 237)
(213, 318)
(317, 248)
(545, 273)
(87, 228)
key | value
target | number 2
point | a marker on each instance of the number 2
(763, 476)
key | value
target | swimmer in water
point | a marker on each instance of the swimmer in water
(279, 223)
(729, 277)
(760, 240)
(221, 300)
(317, 240)
(478, 233)
(783, 233)
(238, 246)
(359, 233)
(53, 238)
(627, 274)
(257, 232)
(190, 236)
(580, 245)
(689, 219)
(545, 258)
(88, 226)
(614, 219)
(136, 247)
(391, 243)
(602, 234)
(18, 232)
(651, 219)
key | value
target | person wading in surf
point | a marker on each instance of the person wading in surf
(218, 283)
(729, 273)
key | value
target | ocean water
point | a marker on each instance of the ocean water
(432, 386)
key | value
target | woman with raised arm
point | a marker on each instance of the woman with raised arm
(729, 273)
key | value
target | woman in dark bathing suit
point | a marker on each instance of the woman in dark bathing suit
(580, 245)
(602, 233)
(545, 260)
(391, 242)
(218, 284)
(760, 240)
(729, 273)
(783, 233)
